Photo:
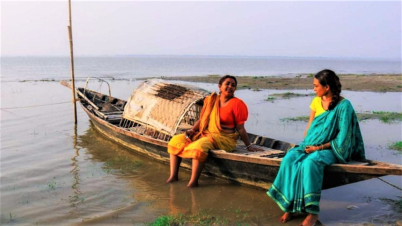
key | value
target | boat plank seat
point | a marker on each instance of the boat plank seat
(241, 150)
(355, 163)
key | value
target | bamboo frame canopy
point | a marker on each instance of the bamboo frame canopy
(162, 105)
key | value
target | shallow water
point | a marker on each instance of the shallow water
(52, 173)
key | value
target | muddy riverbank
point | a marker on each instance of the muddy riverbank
(371, 82)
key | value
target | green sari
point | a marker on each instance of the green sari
(339, 127)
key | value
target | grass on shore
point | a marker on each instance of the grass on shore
(386, 117)
(383, 116)
(396, 146)
(203, 218)
(194, 219)
(397, 204)
(288, 95)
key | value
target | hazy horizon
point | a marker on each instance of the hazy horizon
(300, 29)
(210, 56)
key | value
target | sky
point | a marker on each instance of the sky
(345, 29)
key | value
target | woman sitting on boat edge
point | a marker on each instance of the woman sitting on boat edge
(221, 122)
(332, 136)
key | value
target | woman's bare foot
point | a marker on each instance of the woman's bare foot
(287, 216)
(192, 184)
(310, 220)
(172, 179)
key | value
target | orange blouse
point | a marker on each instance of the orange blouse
(234, 113)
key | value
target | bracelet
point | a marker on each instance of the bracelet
(248, 146)
(322, 147)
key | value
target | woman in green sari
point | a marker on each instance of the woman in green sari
(332, 136)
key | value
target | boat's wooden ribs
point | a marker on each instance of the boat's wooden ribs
(143, 129)
(190, 118)
(270, 143)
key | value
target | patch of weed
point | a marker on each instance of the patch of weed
(396, 146)
(397, 204)
(288, 95)
(243, 86)
(388, 116)
(202, 218)
(270, 98)
(299, 118)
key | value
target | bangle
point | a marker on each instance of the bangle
(322, 147)
(248, 146)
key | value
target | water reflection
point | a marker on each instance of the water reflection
(75, 171)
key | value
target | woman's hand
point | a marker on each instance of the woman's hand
(311, 149)
(252, 148)
(189, 133)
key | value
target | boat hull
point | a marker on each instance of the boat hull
(236, 169)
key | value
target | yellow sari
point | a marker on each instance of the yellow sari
(210, 135)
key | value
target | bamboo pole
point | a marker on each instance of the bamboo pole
(70, 37)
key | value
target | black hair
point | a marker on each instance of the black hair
(225, 77)
(329, 78)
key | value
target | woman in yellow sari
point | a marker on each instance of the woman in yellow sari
(221, 122)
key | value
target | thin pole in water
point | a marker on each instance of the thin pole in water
(70, 36)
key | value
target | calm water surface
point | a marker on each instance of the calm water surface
(55, 174)
(36, 68)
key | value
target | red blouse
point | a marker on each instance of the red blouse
(234, 113)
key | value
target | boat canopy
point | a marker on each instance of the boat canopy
(162, 105)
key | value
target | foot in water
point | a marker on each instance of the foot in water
(287, 216)
(172, 179)
(310, 220)
(192, 184)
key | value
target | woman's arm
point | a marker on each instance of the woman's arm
(312, 115)
(244, 137)
(311, 149)
(193, 130)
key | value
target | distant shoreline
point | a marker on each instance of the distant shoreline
(353, 82)
(214, 57)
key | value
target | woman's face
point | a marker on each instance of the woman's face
(319, 89)
(228, 87)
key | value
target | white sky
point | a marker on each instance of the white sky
(360, 29)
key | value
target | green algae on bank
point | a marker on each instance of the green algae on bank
(202, 218)
(396, 146)
(396, 204)
(386, 117)
(353, 82)
(289, 95)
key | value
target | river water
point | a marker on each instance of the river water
(53, 173)
(36, 68)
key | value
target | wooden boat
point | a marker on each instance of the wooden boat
(157, 110)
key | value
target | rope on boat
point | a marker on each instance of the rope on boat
(397, 187)
(40, 105)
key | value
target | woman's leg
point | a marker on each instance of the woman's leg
(174, 147)
(281, 191)
(174, 168)
(195, 173)
(313, 175)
